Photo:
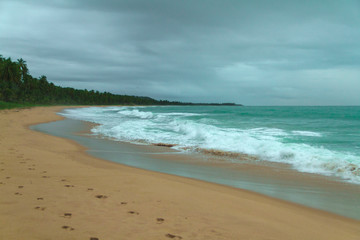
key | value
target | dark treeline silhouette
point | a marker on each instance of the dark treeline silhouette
(18, 86)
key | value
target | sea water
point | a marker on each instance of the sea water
(322, 140)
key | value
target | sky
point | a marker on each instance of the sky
(248, 52)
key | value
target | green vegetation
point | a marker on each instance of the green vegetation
(19, 89)
(18, 86)
(9, 105)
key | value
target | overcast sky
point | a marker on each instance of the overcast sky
(250, 52)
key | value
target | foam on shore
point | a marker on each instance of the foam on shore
(192, 131)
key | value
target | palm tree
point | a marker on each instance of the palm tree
(10, 79)
(9, 71)
(23, 67)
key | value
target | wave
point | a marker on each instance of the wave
(180, 131)
(182, 114)
(136, 114)
(307, 133)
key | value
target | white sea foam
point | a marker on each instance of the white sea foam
(136, 113)
(182, 114)
(142, 125)
(306, 133)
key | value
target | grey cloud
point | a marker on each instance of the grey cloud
(251, 52)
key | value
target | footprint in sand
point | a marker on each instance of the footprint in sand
(69, 185)
(45, 177)
(40, 208)
(133, 212)
(17, 193)
(123, 203)
(20, 186)
(90, 189)
(31, 168)
(169, 235)
(68, 228)
(67, 215)
(40, 198)
(101, 196)
(160, 220)
(94, 238)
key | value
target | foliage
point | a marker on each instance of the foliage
(9, 105)
(18, 86)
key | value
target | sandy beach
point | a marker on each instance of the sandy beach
(51, 189)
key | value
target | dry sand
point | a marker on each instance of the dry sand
(51, 189)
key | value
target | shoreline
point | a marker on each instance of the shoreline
(46, 178)
(275, 180)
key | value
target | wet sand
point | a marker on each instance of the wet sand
(51, 189)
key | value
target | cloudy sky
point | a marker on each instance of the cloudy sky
(250, 52)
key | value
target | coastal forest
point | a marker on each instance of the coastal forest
(17, 86)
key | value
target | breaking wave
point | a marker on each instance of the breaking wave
(209, 134)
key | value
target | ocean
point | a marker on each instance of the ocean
(320, 140)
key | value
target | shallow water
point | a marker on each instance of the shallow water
(327, 194)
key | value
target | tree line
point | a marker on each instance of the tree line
(18, 86)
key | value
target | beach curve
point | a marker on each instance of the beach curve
(50, 188)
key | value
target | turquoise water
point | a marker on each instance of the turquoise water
(323, 140)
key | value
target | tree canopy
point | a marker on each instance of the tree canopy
(17, 85)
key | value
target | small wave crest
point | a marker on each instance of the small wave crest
(182, 114)
(136, 114)
(306, 133)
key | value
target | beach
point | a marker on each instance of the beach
(51, 189)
